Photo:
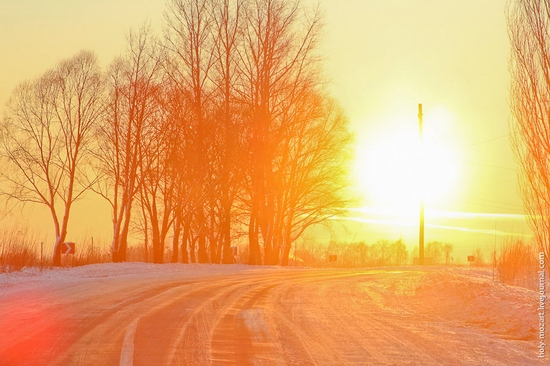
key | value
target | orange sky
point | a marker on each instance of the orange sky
(382, 58)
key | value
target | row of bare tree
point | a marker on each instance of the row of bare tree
(221, 128)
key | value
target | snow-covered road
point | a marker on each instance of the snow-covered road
(143, 314)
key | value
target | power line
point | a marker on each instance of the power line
(490, 140)
(510, 205)
(493, 166)
(483, 184)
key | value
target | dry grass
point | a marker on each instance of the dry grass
(517, 264)
(19, 248)
(89, 253)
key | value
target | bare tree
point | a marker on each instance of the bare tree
(187, 188)
(227, 30)
(529, 33)
(189, 46)
(46, 137)
(178, 111)
(157, 157)
(311, 173)
(133, 83)
(278, 64)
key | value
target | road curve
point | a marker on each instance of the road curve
(266, 316)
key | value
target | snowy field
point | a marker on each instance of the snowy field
(145, 314)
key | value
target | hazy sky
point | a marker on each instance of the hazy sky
(382, 58)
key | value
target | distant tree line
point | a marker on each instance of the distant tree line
(219, 129)
(439, 253)
(381, 253)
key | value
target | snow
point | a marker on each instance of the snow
(463, 296)
(30, 277)
(270, 315)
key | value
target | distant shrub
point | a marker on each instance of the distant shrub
(479, 258)
(435, 251)
(448, 250)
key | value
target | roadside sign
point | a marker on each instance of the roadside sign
(67, 248)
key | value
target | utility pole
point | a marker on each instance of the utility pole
(495, 253)
(421, 231)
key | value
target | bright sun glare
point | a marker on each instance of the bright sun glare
(396, 170)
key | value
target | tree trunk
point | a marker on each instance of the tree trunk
(202, 254)
(57, 252)
(175, 241)
(253, 231)
(227, 255)
(185, 240)
(145, 235)
(158, 250)
(214, 252)
(192, 249)
(287, 245)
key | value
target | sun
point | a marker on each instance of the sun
(397, 169)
